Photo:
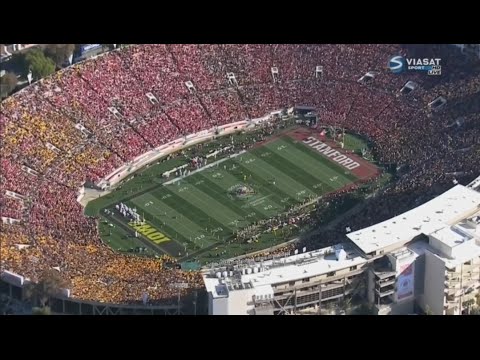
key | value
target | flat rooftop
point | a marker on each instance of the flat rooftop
(298, 267)
(434, 215)
(475, 184)
(287, 269)
(418, 248)
(466, 248)
(452, 236)
(468, 251)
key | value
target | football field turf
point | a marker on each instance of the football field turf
(194, 214)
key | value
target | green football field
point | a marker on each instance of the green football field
(204, 210)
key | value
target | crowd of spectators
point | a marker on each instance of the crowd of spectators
(85, 121)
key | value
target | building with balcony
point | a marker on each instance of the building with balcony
(288, 284)
(453, 267)
(427, 258)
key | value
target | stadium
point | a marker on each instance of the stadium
(246, 179)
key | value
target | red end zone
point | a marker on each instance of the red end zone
(364, 171)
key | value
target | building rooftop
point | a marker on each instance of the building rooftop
(466, 252)
(475, 184)
(432, 216)
(283, 270)
(451, 236)
(299, 267)
(418, 247)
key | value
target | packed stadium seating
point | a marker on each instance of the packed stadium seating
(46, 156)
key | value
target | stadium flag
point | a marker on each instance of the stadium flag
(29, 77)
(304, 249)
(70, 59)
(296, 251)
(114, 46)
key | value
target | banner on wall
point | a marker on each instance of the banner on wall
(405, 282)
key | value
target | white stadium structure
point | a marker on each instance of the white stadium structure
(427, 258)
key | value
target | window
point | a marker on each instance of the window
(331, 274)
(353, 268)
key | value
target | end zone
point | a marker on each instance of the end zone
(328, 148)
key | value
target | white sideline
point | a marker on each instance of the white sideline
(108, 183)
(173, 146)
(173, 181)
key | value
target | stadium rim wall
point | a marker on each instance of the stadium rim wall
(69, 306)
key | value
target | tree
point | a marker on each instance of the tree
(49, 285)
(365, 309)
(59, 53)
(41, 311)
(8, 83)
(40, 65)
(346, 304)
(468, 304)
(475, 311)
(4, 304)
(19, 63)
